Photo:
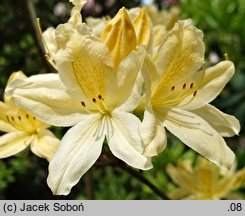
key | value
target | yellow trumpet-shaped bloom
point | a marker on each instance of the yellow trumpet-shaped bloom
(119, 36)
(203, 180)
(178, 91)
(23, 129)
(91, 93)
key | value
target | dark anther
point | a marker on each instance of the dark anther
(100, 97)
(34, 118)
(83, 104)
(12, 117)
(191, 85)
(172, 88)
(27, 116)
(195, 93)
(47, 56)
(19, 117)
(184, 85)
(94, 100)
(7, 118)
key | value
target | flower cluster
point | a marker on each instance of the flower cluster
(110, 72)
(23, 129)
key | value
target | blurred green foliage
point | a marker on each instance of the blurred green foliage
(222, 22)
(24, 176)
(8, 171)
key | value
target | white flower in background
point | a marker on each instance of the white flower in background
(60, 9)
(146, 2)
(213, 57)
(23, 129)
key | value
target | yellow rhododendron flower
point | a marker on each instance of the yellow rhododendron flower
(23, 129)
(178, 93)
(203, 180)
(90, 93)
(56, 39)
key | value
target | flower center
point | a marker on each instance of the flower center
(98, 103)
(23, 121)
(180, 94)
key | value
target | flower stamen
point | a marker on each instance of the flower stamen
(191, 91)
(226, 57)
(48, 55)
(85, 107)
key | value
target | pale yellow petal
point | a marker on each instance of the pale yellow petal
(179, 193)
(83, 65)
(151, 77)
(76, 17)
(78, 151)
(226, 125)
(154, 14)
(206, 175)
(239, 179)
(124, 140)
(119, 36)
(181, 53)
(5, 126)
(143, 29)
(200, 136)
(214, 80)
(119, 85)
(159, 32)
(45, 144)
(153, 134)
(13, 76)
(49, 37)
(135, 96)
(223, 187)
(97, 24)
(134, 12)
(179, 57)
(181, 178)
(46, 97)
(63, 33)
(14, 142)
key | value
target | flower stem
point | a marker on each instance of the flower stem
(109, 160)
(89, 186)
(28, 10)
(144, 180)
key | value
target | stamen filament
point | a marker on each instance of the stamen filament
(85, 108)
(43, 39)
(174, 101)
(100, 105)
(226, 56)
